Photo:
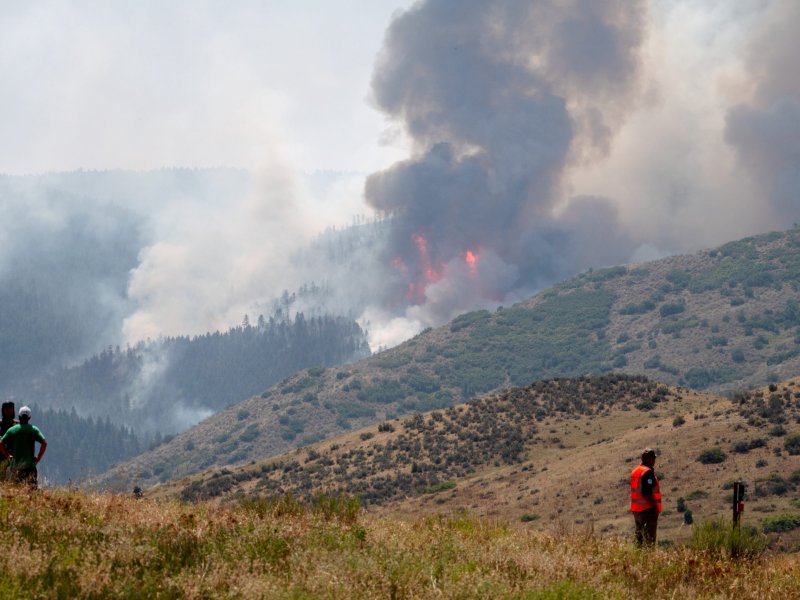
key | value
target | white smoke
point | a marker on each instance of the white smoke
(584, 133)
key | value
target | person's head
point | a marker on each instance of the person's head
(649, 457)
(24, 414)
(8, 411)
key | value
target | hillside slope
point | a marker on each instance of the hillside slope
(719, 319)
(555, 452)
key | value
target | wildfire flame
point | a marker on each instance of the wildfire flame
(431, 274)
(429, 271)
(472, 262)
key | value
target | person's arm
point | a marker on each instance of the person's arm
(42, 448)
(648, 483)
(4, 451)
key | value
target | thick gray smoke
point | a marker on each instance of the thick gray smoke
(500, 98)
(765, 129)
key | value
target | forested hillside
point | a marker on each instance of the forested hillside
(166, 385)
(81, 445)
(720, 319)
(70, 244)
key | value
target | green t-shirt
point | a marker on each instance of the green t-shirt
(20, 441)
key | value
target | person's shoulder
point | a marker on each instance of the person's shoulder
(12, 431)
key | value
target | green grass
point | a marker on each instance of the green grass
(720, 537)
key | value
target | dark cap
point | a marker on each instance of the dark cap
(648, 453)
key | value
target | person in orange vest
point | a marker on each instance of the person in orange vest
(645, 499)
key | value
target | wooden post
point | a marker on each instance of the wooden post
(738, 501)
(738, 509)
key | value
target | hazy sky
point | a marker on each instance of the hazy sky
(148, 84)
(554, 134)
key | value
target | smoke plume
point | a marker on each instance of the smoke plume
(546, 137)
(500, 99)
(765, 129)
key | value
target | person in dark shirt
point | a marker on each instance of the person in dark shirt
(21, 441)
(7, 411)
(8, 420)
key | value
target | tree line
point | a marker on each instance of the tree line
(166, 385)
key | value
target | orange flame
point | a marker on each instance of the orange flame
(430, 273)
(472, 261)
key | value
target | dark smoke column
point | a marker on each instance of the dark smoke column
(498, 98)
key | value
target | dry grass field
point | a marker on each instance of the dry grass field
(71, 544)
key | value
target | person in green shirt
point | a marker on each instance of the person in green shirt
(21, 440)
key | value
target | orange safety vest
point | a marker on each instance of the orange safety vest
(639, 501)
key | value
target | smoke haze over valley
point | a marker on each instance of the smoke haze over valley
(408, 160)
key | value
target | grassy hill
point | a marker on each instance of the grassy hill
(555, 452)
(721, 319)
(70, 544)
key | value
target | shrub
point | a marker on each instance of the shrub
(792, 444)
(653, 362)
(439, 487)
(528, 517)
(777, 431)
(679, 278)
(681, 505)
(744, 446)
(252, 432)
(678, 421)
(672, 309)
(646, 405)
(637, 309)
(721, 537)
(688, 518)
(780, 523)
(774, 485)
(712, 456)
